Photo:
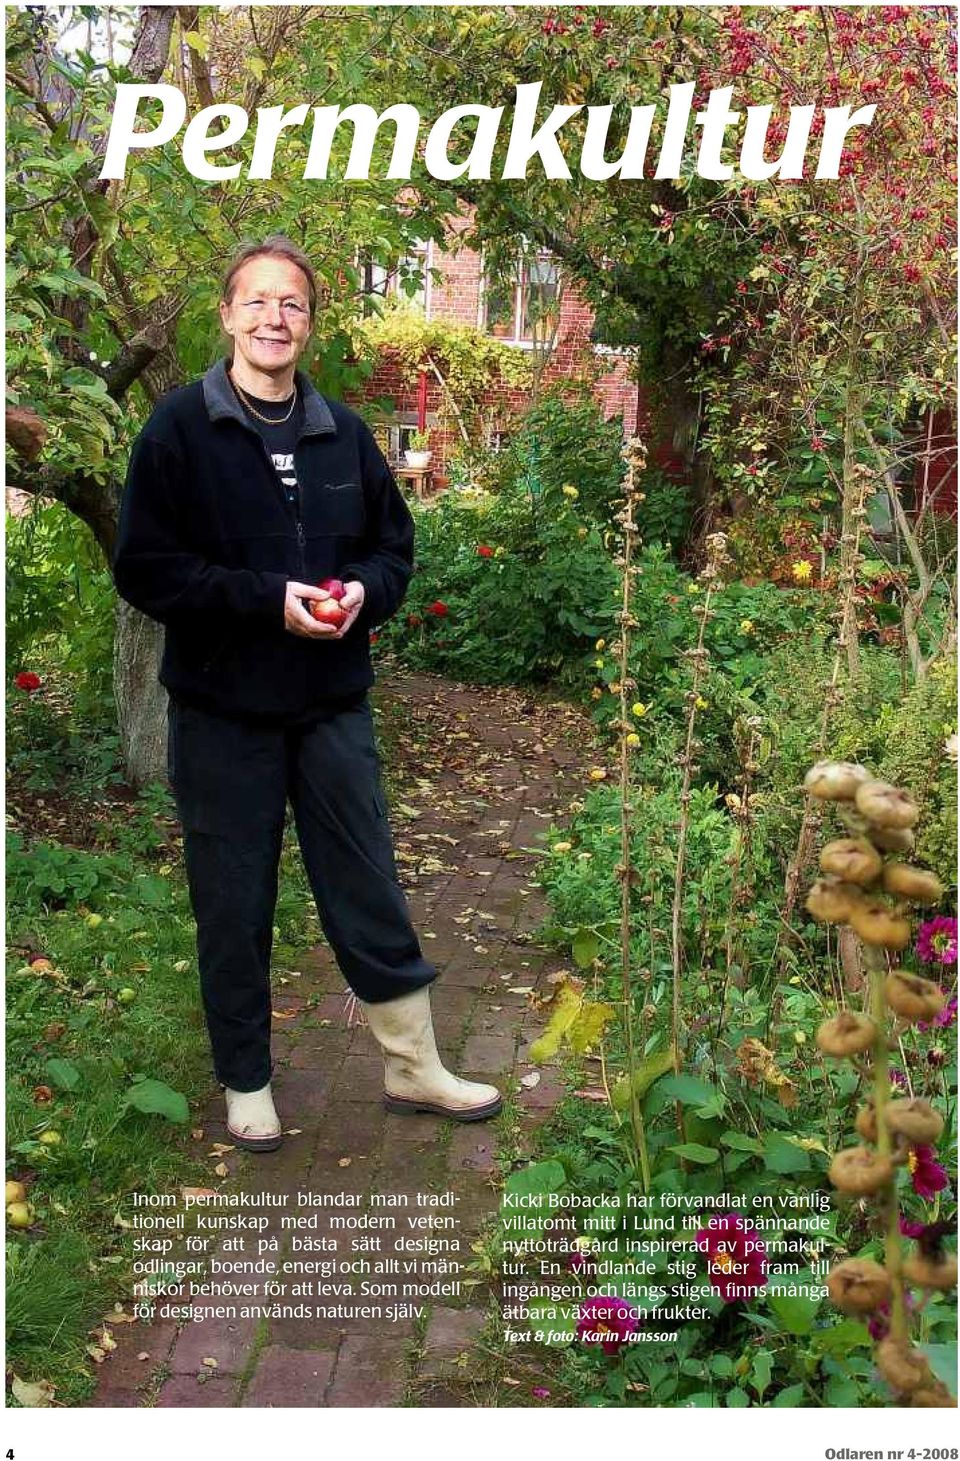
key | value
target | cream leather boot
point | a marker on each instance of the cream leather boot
(414, 1076)
(252, 1120)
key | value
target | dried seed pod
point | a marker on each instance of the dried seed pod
(902, 1366)
(835, 781)
(935, 1396)
(885, 805)
(915, 1120)
(893, 839)
(831, 902)
(853, 860)
(932, 1272)
(866, 1123)
(912, 997)
(914, 883)
(859, 1286)
(847, 1034)
(860, 1171)
(876, 924)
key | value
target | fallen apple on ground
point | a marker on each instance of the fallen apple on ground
(20, 1215)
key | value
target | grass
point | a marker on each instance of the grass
(117, 1002)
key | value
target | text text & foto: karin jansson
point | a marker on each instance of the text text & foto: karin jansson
(526, 140)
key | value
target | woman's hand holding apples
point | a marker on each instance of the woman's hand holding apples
(330, 610)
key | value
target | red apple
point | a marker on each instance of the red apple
(333, 587)
(327, 611)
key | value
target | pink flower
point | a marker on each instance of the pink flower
(937, 941)
(27, 680)
(878, 1325)
(897, 1078)
(910, 1229)
(608, 1321)
(540, 1392)
(926, 1173)
(736, 1257)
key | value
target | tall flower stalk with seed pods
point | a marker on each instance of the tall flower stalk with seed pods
(867, 887)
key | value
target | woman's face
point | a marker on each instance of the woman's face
(268, 315)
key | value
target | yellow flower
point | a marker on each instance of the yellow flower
(562, 846)
(569, 490)
(746, 626)
(596, 692)
(693, 588)
(702, 704)
(600, 644)
(597, 773)
(633, 739)
(599, 663)
(802, 571)
(638, 708)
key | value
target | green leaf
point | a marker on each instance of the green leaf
(739, 1141)
(761, 1372)
(689, 1090)
(788, 1398)
(737, 1399)
(154, 1098)
(586, 947)
(649, 1070)
(795, 1313)
(692, 1151)
(784, 1156)
(841, 1337)
(539, 1177)
(703, 1400)
(62, 1073)
(942, 1359)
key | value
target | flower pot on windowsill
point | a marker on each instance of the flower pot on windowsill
(417, 460)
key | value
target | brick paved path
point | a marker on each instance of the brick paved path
(475, 777)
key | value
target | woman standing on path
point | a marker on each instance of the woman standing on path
(245, 491)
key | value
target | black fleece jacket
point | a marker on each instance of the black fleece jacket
(207, 543)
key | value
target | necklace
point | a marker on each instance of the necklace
(267, 420)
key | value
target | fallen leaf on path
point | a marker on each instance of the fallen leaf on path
(591, 1093)
(197, 1192)
(143, 1355)
(531, 1080)
(197, 1133)
(520, 989)
(32, 1393)
(220, 1149)
(294, 1131)
(222, 1170)
(344, 1161)
(210, 1362)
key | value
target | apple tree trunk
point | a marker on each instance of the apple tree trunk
(141, 699)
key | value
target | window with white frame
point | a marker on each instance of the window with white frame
(407, 279)
(524, 308)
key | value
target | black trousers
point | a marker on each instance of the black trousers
(231, 782)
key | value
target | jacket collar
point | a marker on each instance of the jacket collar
(221, 402)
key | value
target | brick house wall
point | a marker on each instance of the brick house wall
(456, 295)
